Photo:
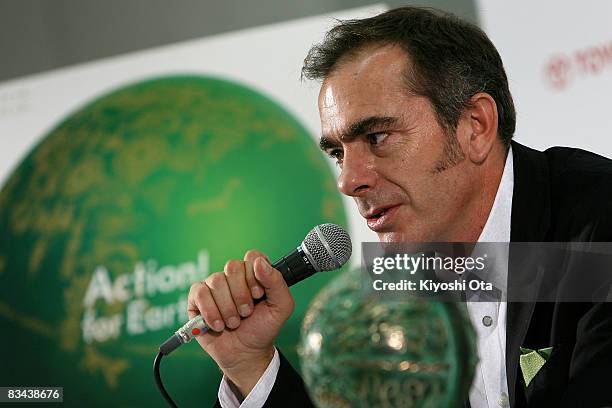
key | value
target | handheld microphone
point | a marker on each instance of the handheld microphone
(325, 248)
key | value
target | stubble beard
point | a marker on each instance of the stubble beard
(451, 154)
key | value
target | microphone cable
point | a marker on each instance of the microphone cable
(158, 380)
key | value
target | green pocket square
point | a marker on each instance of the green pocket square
(531, 361)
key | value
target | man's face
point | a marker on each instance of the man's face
(392, 152)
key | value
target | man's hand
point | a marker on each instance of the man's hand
(242, 348)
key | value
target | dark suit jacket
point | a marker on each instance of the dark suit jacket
(560, 195)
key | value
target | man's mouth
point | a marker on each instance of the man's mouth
(379, 214)
(380, 218)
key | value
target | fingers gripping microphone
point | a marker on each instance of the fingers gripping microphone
(325, 248)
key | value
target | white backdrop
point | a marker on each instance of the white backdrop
(558, 56)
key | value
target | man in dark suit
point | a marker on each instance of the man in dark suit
(416, 111)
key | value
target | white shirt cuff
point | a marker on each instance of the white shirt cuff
(258, 395)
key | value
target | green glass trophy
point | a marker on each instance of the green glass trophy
(361, 349)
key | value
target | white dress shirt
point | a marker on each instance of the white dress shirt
(490, 385)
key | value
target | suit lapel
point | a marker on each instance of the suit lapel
(530, 222)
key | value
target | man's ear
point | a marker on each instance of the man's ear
(480, 120)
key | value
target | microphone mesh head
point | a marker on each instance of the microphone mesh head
(329, 247)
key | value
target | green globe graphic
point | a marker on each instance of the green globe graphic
(124, 204)
(360, 349)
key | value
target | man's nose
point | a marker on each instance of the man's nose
(358, 175)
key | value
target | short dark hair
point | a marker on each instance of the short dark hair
(452, 60)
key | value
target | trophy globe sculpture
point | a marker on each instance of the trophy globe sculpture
(359, 349)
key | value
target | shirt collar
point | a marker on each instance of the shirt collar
(497, 227)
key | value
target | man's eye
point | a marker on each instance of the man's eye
(336, 154)
(377, 138)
